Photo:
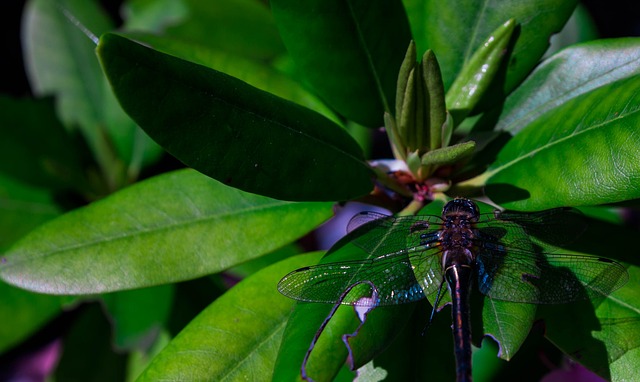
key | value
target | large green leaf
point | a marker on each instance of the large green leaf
(620, 330)
(237, 337)
(22, 208)
(242, 27)
(603, 337)
(173, 227)
(568, 74)
(153, 15)
(455, 29)
(349, 51)
(255, 74)
(232, 131)
(507, 323)
(584, 152)
(330, 353)
(60, 60)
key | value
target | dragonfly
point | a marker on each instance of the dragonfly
(507, 256)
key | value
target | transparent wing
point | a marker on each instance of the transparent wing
(394, 277)
(522, 276)
(380, 235)
(547, 230)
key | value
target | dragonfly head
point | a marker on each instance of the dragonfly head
(461, 207)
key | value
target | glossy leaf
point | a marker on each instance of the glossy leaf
(579, 28)
(349, 51)
(479, 72)
(330, 353)
(382, 325)
(236, 337)
(449, 154)
(455, 30)
(508, 324)
(620, 317)
(568, 74)
(584, 152)
(436, 109)
(173, 227)
(255, 74)
(232, 131)
(603, 336)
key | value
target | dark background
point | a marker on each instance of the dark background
(613, 18)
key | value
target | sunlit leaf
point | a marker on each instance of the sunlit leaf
(174, 227)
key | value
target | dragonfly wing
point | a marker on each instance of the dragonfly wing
(393, 276)
(543, 278)
(380, 235)
(549, 229)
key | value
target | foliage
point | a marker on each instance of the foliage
(273, 109)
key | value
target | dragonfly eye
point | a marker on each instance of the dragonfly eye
(461, 206)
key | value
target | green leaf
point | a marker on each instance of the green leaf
(232, 131)
(435, 107)
(620, 318)
(349, 51)
(584, 152)
(454, 30)
(173, 227)
(579, 28)
(60, 60)
(382, 325)
(22, 208)
(576, 70)
(40, 152)
(329, 354)
(153, 15)
(242, 27)
(236, 337)
(138, 315)
(22, 313)
(423, 351)
(139, 360)
(479, 72)
(508, 323)
(255, 74)
(449, 154)
(606, 340)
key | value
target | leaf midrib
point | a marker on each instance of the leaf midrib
(141, 232)
(549, 145)
(216, 98)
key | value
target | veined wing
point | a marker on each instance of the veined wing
(543, 278)
(547, 229)
(380, 235)
(393, 276)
